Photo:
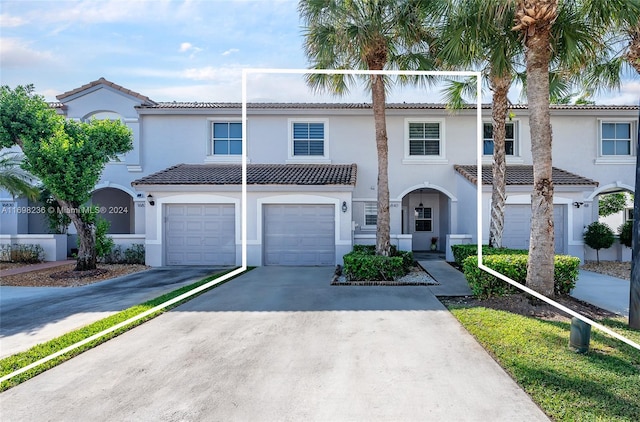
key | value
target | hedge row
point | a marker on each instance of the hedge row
(461, 252)
(363, 264)
(484, 284)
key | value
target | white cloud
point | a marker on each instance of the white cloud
(185, 46)
(7, 21)
(629, 94)
(15, 52)
(230, 51)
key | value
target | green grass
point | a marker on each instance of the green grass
(20, 360)
(601, 385)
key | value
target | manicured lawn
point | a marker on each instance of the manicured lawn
(602, 385)
(23, 359)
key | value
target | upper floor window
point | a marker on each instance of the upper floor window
(308, 138)
(370, 214)
(615, 138)
(226, 138)
(424, 141)
(424, 138)
(510, 143)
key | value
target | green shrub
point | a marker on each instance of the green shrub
(626, 233)
(131, 255)
(25, 253)
(461, 252)
(134, 254)
(484, 284)
(363, 264)
(598, 236)
(104, 244)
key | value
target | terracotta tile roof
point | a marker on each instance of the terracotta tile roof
(257, 174)
(102, 81)
(361, 106)
(522, 175)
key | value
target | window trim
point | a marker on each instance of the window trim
(210, 157)
(319, 159)
(423, 159)
(365, 213)
(516, 137)
(416, 219)
(617, 159)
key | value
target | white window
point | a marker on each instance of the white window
(308, 140)
(424, 219)
(628, 214)
(510, 142)
(370, 214)
(424, 141)
(226, 138)
(615, 138)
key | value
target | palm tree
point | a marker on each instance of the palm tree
(14, 179)
(477, 33)
(534, 19)
(368, 35)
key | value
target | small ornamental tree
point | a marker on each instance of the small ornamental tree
(67, 156)
(598, 236)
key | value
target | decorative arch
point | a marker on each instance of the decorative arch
(427, 185)
(103, 115)
(611, 187)
(129, 191)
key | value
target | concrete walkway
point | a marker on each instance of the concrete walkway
(282, 344)
(35, 267)
(607, 292)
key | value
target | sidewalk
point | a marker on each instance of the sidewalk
(607, 292)
(35, 267)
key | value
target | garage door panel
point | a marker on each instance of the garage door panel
(517, 227)
(299, 234)
(200, 234)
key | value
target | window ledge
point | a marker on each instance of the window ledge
(224, 159)
(615, 160)
(306, 160)
(486, 159)
(435, 160)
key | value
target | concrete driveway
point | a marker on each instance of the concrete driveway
(282, 344)
(32, 315)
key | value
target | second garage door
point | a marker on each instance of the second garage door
(517, 227)
(200, 234)
(299, 234)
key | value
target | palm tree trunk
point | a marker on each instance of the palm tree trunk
(541, 242)
(633, 54)
(378, 97)
(500, 87)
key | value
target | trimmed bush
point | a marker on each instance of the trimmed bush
(626, 233)
(598, 236)
(363, 264)
(461, 252)
(25, 253)
(484, 284)
(104, 244)
(132, 255)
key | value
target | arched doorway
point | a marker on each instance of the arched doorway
(426, 215)
(117, 207)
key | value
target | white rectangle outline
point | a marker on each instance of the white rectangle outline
(245, 73)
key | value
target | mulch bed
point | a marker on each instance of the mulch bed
(78, 274)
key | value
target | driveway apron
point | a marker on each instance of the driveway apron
(281, 344)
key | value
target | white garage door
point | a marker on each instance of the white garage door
(299, 235)
(517, 226)
(200, 234)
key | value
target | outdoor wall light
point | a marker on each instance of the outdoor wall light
(150, 200)
(344, 206)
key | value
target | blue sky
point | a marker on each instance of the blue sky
(171, 50)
